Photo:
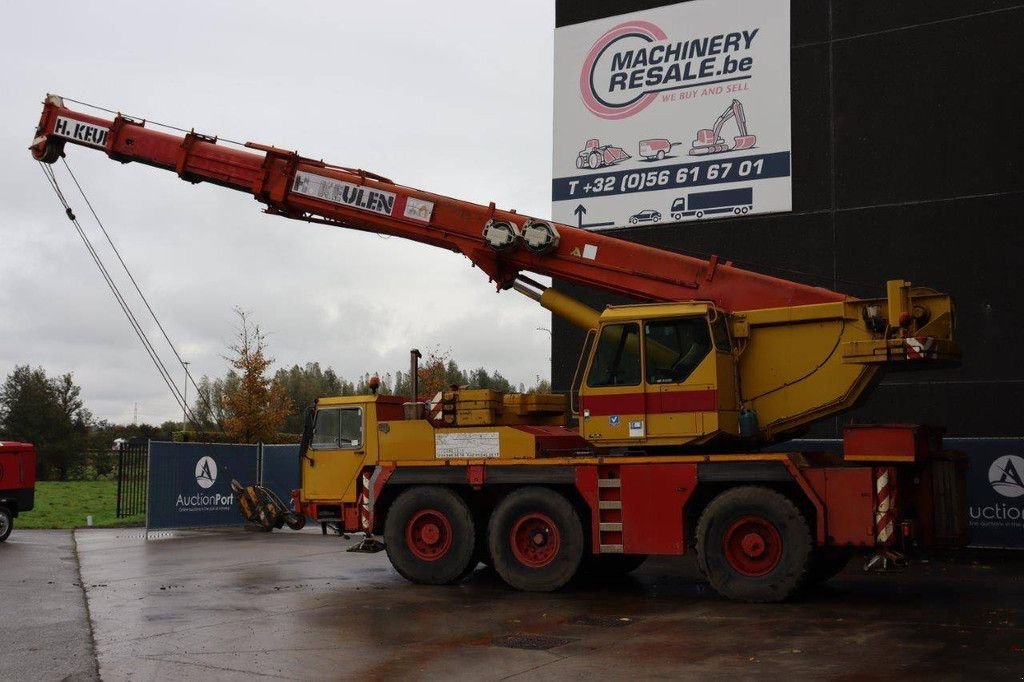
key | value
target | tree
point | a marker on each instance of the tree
(257, 407)
(48, 413)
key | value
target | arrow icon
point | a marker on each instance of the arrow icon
(581, 211)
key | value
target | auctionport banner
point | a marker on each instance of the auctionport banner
(673, 114)
(190, 483)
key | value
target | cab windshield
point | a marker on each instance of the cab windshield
(338, 428)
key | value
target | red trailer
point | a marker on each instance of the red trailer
(17, 483)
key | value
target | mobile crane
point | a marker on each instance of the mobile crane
(675, 397)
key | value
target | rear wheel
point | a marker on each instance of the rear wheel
(753, 544)
(594, 161)
(536, 540)
(429, 536)
(6, 523)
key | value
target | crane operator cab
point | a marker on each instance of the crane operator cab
(658, 374)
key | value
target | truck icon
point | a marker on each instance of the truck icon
(700, 204)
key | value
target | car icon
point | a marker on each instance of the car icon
(648, 215)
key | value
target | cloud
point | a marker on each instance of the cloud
(423, 96)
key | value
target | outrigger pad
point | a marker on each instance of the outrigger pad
(368, 545)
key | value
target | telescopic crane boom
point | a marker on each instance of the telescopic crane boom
(502, 243)
(779, 352)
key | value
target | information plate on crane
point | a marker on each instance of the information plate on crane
(466, 445)
(673, 114)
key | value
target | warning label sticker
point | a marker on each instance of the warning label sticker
(466, 445)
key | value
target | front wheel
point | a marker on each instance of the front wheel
(753, 544)
(536, 540)
(6, 523)
(429, 536)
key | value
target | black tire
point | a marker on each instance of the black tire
(429, 536)
(536, 540)
(754, 545)
(6, 523)
(604, 567)
(826, 564)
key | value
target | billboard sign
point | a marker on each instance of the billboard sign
(673, 114)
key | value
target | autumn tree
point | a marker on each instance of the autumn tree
(49, 413)
(303, 385)
(257, 407)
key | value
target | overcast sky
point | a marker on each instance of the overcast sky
(451, 97)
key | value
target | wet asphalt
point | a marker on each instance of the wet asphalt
(241, 605)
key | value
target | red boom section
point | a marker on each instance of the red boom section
(306, 189)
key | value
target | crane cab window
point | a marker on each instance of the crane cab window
(338, 428)
(674, 348)
(720, 332)
(617, 358)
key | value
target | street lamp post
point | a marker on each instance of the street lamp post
(545, 329)
(184, 409)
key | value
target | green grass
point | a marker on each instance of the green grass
(66, 504)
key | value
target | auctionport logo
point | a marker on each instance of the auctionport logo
(206, 472)
(1005, 476)
(633, 62)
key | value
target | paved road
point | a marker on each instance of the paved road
(296, 606)
(44, 625)
(235, 605)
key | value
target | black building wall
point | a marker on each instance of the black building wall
(908, 137)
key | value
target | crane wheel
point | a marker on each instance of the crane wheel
(6, 523)
(754, 545)
(430, 536)
(536, 540)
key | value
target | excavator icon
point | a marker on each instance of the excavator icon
(709, 140)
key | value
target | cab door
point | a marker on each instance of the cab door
(612, 393)
(680, 376)
(336, 452)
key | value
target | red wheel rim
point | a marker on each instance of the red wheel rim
(752, 546)
(428, 534)
(535, 540)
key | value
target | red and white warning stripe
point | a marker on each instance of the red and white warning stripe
(364, 502)
(921, 348)
(885, 507)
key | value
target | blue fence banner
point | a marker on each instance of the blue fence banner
(280, 470)
(995, 490)
(190, 483)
